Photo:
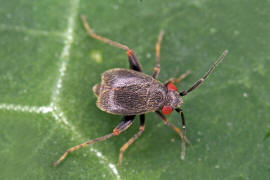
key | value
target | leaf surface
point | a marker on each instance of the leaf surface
(48, 66)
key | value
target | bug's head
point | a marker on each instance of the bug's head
(173, 99)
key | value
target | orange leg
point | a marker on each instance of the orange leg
(177, 130)
(179, 79)
(122, 126)
(133, 61)
(95, 36)
(131, 140)
(158, 45)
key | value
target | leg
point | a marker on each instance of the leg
(131, 140)
(158, 44)
(179, 79)
(133, 62)
(180, 111)
(177, 130)
(183, 93)
(123, 125)
(105, 40)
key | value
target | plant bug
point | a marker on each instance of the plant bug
(129, 92)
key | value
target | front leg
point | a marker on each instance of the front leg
(177, 130)
(179, 79)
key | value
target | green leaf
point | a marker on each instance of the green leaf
(48, 66)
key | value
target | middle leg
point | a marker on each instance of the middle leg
(158, 45)
(131, 140)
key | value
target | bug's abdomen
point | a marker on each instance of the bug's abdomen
(131, 99)
(96, 89)
(127, 92)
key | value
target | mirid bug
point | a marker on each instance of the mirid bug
(129, 92)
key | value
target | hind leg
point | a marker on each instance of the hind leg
(133, 61)
(122, 126)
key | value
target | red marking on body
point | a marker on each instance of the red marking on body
(166, 110)
(172, 87)
(130, 52)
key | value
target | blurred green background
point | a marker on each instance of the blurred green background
(48, 65)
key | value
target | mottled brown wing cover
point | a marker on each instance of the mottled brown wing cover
(128, 92)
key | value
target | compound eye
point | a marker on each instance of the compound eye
(166, 110)
(172, 87)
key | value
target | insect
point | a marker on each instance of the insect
(129, 92)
